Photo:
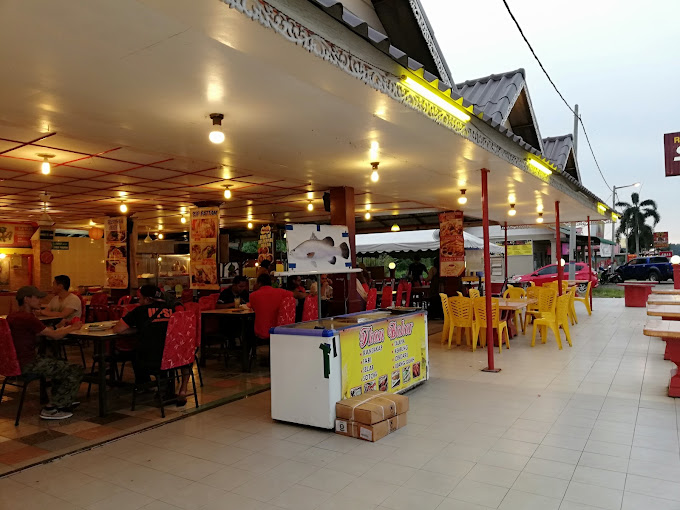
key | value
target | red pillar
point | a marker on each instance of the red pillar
(487, 272)
(505, 258)
(590, 264)
(558, 248)
(342, 213)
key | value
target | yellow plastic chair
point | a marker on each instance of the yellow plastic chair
(473, 293)
(586, 298)
(499, 325)
(462, 321)
(516, 293)
(460, 294)
(447, 316)
(546, 303)
(572, 310)
(532, 292)
(556, 320)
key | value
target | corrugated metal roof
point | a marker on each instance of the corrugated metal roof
(557, 149)
(495, 95)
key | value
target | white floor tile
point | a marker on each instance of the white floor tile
(328, 480)
(299, 497)
(493, 475)
(434, 483)
(600, 477)
(562, 441)
(613, 449)
(479, 493)
(541, 485)
(516, 447)
(653, 487)
(406, 498)
(504, 460)
(516, 500)
(550, 468)
(368, 491)
(633, 501)
(557, 454)
(593, 495)
(599, 461)
(456, 504)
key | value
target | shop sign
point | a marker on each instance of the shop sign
(516, 248)
(660, 239)
(60, 245)
(668, 254)
(115, 252)
(203, 234)
(265, 245)
(451, 244)
(16, 235)
(671, 150)
(46, 235)
(388, 355)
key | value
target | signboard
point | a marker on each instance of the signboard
(451, 244)
(387, 355)
(660, 239)
(265, 245)
(60, 245)
(16, 235)
(516, 248)
(668, 254)
(203, 233)
(115, 246)
(671, 151)
(46, 235)
(318, 248)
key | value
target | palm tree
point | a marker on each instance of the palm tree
(633, 223)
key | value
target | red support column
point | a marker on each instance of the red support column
(590, 264)
(558, 248)
(342, 213)
(487, 272)
(505, 258)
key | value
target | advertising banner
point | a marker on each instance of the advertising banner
(520, 248)
(203, 233)
(115, 246)
(451, 244)
(318, 248)
(387, 355)
(668, 254)
(265, 245)
(671, 150)
(660, 239)
(16, 235)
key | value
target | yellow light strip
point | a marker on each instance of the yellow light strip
(601, 207)
(615, 217)
(540, 166)
(435, 98)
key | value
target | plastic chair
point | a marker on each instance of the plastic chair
(215, 297)
(585, 299)
(187, 296)
(407, 289)
(462, 320)
(386, 300)
(400, 294)
(447, 328)
(365, 286)
(546, 303)
(100, 299)
(310, 311)
(516, 293)
(474, 293)
(286, 311)
(125, 300)
(500, 326)
(196, 309)
(556, 320)
(371, 299)
(178, 352)
(572, 310)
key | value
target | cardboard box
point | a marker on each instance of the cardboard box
(373, 432)
(371, 407)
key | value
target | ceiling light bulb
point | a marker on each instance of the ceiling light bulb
(512, 210)
(3, 255)
(462, 199)
(183, 220)
(45, 168)
(367, 215)
(227, 192)
(160, 259)
(395, 228)
(92, 223)
(310, 207)
(160, 236)
(540, 218)
(123, 207)
(374, 174)
(250, 225)
(216, 135)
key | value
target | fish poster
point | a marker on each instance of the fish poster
(318, 249)
(203, 237)
(451, 244)
(115, 237)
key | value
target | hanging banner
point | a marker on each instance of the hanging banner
(265, 245)
(660, 240)
(318, 248)
(387, 355)
(451, 244)
(16, 235)
(205, 228)
(671, 150)
(516, 248)
(115, 246)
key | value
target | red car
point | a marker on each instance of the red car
(549, 274)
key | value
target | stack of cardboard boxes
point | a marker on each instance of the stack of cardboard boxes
(371, 416)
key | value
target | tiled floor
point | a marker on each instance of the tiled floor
(584, 428)
(36, 440)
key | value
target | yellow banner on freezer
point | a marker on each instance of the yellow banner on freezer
(387, 355)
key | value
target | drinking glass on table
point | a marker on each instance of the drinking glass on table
(237, 302)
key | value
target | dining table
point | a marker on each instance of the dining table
(663, 299)
(669, 331)
(509, 307)
(668, 312)
(663, 290)
(246, 319)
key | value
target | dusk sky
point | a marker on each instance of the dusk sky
(616, 59)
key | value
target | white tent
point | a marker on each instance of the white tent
(416, 240)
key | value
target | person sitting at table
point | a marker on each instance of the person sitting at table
(64, 304)
(294, 285)
(150, 320)
(265, 303)
(263, 268)
(238, 291)
(65, 377)
(416, 270)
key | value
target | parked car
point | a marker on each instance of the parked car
(656, 269)
(549, 274)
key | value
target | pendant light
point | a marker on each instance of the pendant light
(227, 191)
(216, 135)
(45, 167)
(147, 239)
(367, 215)
(183, 220)
(395, 228)
(374, 175)
(250, 224)
(540, 218)
(123, 207)
(462, 199)
(310, 206)
(512, 210)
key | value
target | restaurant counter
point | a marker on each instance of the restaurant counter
(315, 364)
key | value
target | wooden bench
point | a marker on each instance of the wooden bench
(663, 299)
(664, 290)
(669, 331)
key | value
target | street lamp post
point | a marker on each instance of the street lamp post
(634, 185)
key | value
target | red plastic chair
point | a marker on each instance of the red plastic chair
(187, 296)
(100, 299)
(98, 313)
(371, 299)
(400, 294)
(10, 368)
(207, 303)
(407, 288)
(386, 300)
(196, 310)
(286, 311)
(215, 297)
(310, 312)
(125, 300)
(365, 286)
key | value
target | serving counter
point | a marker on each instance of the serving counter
(315, 364)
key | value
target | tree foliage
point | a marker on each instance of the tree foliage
(633, 222)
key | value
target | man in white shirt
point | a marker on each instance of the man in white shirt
(64, 304)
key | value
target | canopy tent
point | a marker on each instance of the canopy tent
(416, 240)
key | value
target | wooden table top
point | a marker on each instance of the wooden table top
(43, 318)
(658, 328)
(637, 284)
(515, 304)
(107, 332)
(663, 299)
(663, 311)
(661, 290)
(229, 311)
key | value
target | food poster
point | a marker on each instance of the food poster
(318, 248)
(387, 355)
(16, 235)
(204, 232)
(451, 244)
(116, 252)
(265, 245)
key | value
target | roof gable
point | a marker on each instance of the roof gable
(560, 150)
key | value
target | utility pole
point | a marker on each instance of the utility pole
(572, 226)
(613, 223)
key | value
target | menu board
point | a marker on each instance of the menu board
(116, 251)
(660, 239)
(205, 228)
(451, 244)
(265, 245)
(386, 355)
(16, 235)
(516, 248)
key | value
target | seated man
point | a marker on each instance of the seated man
(294, 285)
(65, 377)
(236, 295)
(64, 304)
(265, 302)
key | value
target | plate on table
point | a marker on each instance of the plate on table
(100, 326)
